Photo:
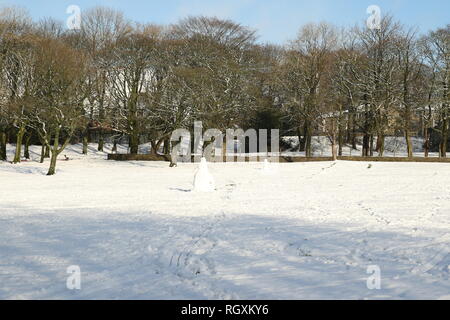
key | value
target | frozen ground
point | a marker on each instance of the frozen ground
(299, 231)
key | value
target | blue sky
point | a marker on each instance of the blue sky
(276, 20)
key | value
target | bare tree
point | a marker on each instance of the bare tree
(133, 57)
(59, 92)
(410, 71)
(377, 81)
(101, 27)
(15, 27)
(436, 48)
(303, 73)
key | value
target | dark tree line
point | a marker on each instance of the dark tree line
(143, 81)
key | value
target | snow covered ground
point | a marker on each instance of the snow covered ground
(299, 231)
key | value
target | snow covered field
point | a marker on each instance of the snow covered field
(304, 231)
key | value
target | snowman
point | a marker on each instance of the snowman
(203, 180)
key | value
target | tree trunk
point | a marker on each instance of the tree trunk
(52, 169)
(114, 148)
(85, 144)
(153, 149)
(101, 141)
(156, 146)
(167, 146)
(348, 130)
(44, 148)
(19, 144)
(380, 144)
(301, 139)
(365, 148)
(42, 153)
(134, 143)
(409, 146)
(3, 142)
(88, 134)
(426, 144)
(340, 140)
(444, 139)
(371, 145)
(26, 151)
(334, 147)
(54, 155)
(308, 140)
(354, 147)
